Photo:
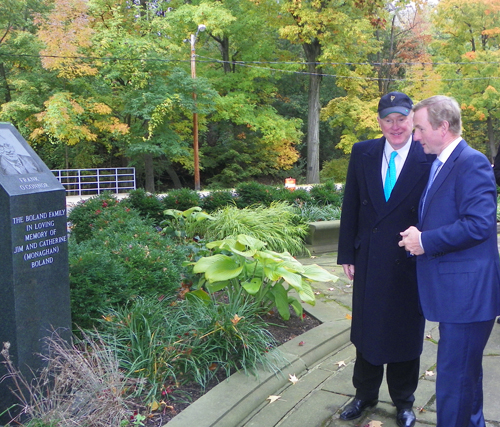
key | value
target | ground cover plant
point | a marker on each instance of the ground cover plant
(312, 213)
(278, 225)
(166, 342)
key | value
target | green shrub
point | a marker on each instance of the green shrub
(298, 196)
(147, 204)
(217, 199)
(88, 215)
(326, 194)
(125, 257)
(253, 193)
(181, 199)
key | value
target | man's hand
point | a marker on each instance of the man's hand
(348, 270)
(411, 241)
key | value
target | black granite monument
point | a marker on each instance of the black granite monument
(34, 277)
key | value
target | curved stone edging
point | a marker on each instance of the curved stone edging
(323, 236)
(232, 401)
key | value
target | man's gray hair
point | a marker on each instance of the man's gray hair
(442, 108)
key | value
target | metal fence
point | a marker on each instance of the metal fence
(81, 182)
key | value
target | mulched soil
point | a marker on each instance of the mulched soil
(282, 331)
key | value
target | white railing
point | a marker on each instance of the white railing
(80, 182)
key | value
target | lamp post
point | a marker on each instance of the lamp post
(195, 114)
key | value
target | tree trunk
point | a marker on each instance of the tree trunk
(174, 177)
(150, 178)
(5, 83)
(491, 138)
(313, 51)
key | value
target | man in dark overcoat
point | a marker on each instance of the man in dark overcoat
(387, 325)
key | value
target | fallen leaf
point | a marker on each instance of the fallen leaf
(154, 405)
(341, 363)
(348, 285)
(422, 409)
(312, 257)
(348, 316)
(428, 336)
(331, 289)
(373, 423)
(317, 293)
(429, 373)
(301, 343)
(292, 378)
(273, 398)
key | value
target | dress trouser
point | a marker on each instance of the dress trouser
(402, 380)
(459, 381)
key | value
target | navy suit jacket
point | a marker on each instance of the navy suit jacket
(459, 273)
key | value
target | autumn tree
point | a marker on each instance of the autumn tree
(23, 82)
(245, 137)
(113, 58)
(334, 32)
(466, 44)
(403, 33)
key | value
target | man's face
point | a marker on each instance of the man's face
(431, 139)
(396, 128)
(9, 152)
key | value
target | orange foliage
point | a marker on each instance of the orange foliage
(65, 32)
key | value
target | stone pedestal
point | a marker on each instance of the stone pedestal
(34, 277)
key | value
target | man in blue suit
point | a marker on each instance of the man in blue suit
(458, 269)
(385, 180)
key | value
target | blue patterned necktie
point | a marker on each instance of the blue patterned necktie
(436, 164)
(390, 176)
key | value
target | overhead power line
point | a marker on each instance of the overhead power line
(264, 65)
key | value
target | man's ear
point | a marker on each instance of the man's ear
(445, 126)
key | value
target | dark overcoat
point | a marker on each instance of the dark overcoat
(387, 324)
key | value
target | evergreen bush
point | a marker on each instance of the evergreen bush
(115, 255)
(88, 215)
(181, 199)
(217, 199)
(147, 204)
(326, 194)
(253, 193)
(297, 196)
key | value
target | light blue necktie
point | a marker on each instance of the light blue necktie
(390, 176)
(436, 164)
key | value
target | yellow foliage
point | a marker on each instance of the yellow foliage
(66, 30)
(101, 108)
(287, 154)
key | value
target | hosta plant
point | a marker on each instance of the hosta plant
(244, 268)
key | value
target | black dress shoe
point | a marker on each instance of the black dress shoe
(354, 409)
(405, 418)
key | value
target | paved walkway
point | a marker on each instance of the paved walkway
(322, 359)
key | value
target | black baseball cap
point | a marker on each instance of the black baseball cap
(394, 102)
